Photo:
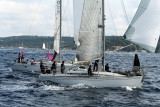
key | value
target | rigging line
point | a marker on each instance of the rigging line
(33, 17)
(112, 17)
(124, 11)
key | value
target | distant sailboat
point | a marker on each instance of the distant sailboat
(21, 46)
(1, 46)
(43, 46)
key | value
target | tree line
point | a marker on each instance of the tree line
(111, 43)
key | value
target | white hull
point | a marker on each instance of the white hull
(25, 67)
(21, 47)
(36, 67)
(104, 80)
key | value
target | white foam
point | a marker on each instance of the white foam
(79, 86)
(10, 69)
(52, 87)
(6, 69)
(15, 87)
(24, 82)
(128, 88)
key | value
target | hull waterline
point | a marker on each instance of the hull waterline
(94, 81)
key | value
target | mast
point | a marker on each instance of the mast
(103, 34)
(57, 31)
(60, 31)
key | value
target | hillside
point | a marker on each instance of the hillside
(112, 42)
(34, 41)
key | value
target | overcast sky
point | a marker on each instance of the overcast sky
(36, 17)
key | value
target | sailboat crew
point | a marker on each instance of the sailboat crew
(54, 56)
(54, 67)
(62, 67)
(107, 68)
(96, 65)
(33, 62)
(22, 59)
(19, 58)
(90, 70)
(136, 65)
(42, 68)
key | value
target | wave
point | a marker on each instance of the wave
(13, 88)
(79, 86)
(52, 87)
(128, 88)
(6, 69)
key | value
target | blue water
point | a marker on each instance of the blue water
(20, 89)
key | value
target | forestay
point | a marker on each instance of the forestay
(90, 45)
(57, 27)
(144, 29)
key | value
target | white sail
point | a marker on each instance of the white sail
(78, 7)
(144, 29)
(44, 46)
(90, 33)
(57, 27)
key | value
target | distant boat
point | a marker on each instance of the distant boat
(26, 67)
(43, 46)
(2, 46)
(21, 47)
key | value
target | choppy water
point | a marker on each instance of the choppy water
(20, 89)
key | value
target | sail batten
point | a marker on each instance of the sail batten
(144, 30)
(89, 33)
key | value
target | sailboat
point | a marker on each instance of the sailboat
(57, 39)
(57, 48)
(21, 47)
(90, 40)
(43, 46)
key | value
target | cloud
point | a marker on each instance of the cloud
(17, 17)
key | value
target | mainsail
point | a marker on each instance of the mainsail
(90, 45)
(57, 35)
(144, 30)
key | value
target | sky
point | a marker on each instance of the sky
(36, 17)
